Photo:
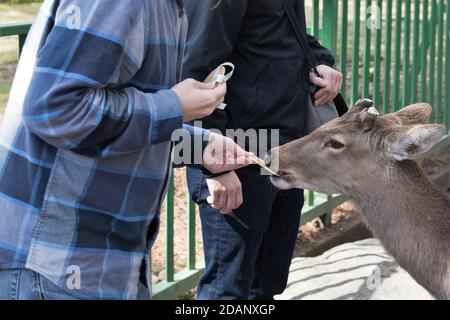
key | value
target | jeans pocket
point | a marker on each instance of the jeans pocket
(50, 291)
(9, 282)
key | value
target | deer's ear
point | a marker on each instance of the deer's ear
(411, 115)
(407, 143)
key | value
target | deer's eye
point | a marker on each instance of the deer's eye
(334, 144)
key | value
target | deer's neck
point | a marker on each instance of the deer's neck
(412, 219)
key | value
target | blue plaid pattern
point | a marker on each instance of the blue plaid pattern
(85, 143)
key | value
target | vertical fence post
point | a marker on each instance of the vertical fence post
(387, 58)
(377, 58)
(406, 55)
(447, 68)
(191, 233)
(416, 51)
(169, 261)
(329, 24)
(366, 52)
(424, 51)
(440, 60)
(343, 46)
(316, 18)
(22, 38)
(355, 52)
(432, 37)
(397, 53)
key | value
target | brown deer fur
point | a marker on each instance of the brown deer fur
(370, 158)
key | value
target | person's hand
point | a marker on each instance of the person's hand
(226, 192)
(222, 154)
(330, 82)
(199, 99)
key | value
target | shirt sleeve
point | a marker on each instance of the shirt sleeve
(79, 98)
(322, 54)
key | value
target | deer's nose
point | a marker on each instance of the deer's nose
(268, 159)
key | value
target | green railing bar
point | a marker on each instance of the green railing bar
(343, 46)
(20, 30)
(335, 24)
(321, 207)
(387, 58)
(169, 243)
(329, 25)
(14, 29)
(424, 51)
(406, 55)
(328, 216)
(417, 68)
(447, 68)
(316, 18)
(440, 60)
(416, 51)
(432, 74)
(191, 233)
(355, 52)
(183, 281)
(397, 54)
(22, 39)
(310, 198)
(377, 60)
(366, 52)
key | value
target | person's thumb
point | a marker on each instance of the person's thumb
(204, 86)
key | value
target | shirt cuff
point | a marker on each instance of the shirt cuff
(166, 115)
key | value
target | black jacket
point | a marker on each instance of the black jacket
(270, 84)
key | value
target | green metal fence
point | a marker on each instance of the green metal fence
(397, 53)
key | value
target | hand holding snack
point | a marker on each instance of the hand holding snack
(220, 76)
(199, 99)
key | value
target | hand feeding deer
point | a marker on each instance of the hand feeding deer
(370, 158)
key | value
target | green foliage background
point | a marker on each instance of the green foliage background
(19, 1)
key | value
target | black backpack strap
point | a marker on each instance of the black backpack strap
(311, 61)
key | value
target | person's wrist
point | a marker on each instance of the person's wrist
(209, 175)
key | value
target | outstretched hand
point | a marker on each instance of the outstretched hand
(222, 154)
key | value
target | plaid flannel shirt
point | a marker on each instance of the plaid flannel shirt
(85, 143)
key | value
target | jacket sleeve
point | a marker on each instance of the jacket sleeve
(78, 98)
(323, 55)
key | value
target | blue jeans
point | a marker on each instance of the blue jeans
(23, 284)
(247, 260)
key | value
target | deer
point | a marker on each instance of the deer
(371, 159)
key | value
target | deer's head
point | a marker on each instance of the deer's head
(348, 152)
